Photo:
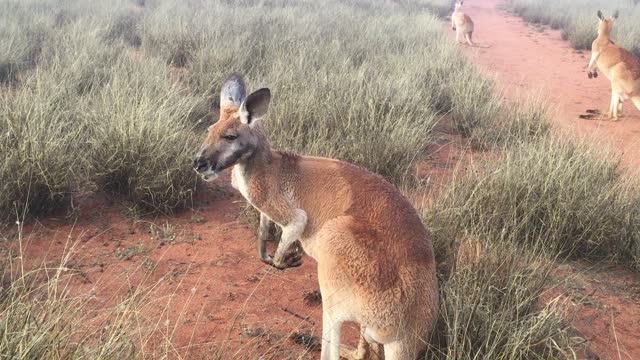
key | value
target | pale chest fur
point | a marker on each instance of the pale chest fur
(239, 181)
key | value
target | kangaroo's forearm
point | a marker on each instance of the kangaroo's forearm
(290, 233)
(592, 62)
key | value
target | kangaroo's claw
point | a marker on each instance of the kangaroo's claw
(292, 258)
(267, 260)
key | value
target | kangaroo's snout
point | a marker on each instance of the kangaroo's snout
(201, 163)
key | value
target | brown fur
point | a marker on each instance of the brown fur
(619, 66)
(375, 259)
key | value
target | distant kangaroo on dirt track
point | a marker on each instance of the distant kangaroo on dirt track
(375, 259)
(619, 66)
(462, 24)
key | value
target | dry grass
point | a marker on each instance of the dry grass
(552, 196)
(126, 86)
(491, 307)
(42, 318)
(141, 141)
(512, 125)
(99, 73)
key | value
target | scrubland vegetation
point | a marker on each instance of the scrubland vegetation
(578, 20)
(114, 97)
(114, 102)
(42, 319)
(562, 198)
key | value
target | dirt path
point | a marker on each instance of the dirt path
(525, 60)
(604, 301)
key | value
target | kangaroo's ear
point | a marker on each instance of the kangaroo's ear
(255, 106)
(600, 15)
(616, 14)
(233, 92)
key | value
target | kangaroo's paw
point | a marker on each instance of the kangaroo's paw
(292, 258)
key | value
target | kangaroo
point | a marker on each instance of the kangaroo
(619, 66)
(462, 24)
(375, 259)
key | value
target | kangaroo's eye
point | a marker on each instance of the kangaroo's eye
(230, 137)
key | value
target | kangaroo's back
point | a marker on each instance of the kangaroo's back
(463, 21)
(355, 192)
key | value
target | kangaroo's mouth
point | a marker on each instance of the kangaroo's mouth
(207, 174)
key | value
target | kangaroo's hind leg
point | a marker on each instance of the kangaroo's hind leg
(620, 107)
(401, 350)
(331, 331)
(469, 37)
(612, 113)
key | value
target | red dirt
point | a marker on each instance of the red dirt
(603, 305)
(529, 62)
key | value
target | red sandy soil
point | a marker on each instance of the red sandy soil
(524, 61)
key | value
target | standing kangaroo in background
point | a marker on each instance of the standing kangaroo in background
(619, 66)
(375, 259)
(462, 24)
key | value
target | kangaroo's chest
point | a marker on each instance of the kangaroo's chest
(460, 19)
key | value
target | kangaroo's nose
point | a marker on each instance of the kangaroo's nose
(200, 163)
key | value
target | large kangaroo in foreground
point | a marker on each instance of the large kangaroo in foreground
(375, 260)
(619, 66)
